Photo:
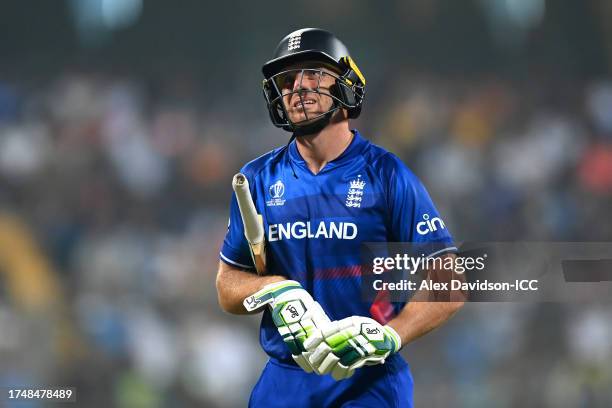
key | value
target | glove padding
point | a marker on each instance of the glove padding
(295, 313)
(349, 344)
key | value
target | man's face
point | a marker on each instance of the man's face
(299, 88)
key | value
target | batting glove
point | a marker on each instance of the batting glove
(349, 344)
(295, 313)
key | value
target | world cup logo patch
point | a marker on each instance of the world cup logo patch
(276, 192)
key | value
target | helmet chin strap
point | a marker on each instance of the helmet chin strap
(314, 127)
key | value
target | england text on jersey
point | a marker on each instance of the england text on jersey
(303, 229)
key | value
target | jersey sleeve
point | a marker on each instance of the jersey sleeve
(235, 248)
(413, 217)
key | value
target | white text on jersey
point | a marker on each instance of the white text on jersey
(427, 226)
(301, 230)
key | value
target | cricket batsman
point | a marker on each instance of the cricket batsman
(320, 197)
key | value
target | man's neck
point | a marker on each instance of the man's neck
(320, 148)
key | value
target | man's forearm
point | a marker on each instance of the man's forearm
(420, 317)
(422, 314)
(234, 285)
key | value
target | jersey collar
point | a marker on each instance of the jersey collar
(354, 150)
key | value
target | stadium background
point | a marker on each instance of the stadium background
(122, 122)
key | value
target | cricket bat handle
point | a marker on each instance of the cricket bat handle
(252, 221)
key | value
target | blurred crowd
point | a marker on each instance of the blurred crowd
(114, 194)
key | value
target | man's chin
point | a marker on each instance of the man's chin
(302, 121)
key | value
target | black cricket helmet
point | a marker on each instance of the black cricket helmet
(302, 53)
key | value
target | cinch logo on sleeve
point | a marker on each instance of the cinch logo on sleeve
(427, 226)
(301, 230)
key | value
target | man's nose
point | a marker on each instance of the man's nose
(304, 80)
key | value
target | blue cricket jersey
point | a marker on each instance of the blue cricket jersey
(315, 225)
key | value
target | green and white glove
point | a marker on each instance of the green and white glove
(349, 344)
(295, 313)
